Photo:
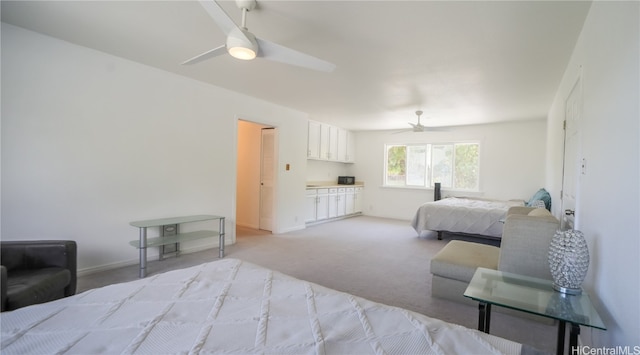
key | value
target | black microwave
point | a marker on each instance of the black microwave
(346, 180)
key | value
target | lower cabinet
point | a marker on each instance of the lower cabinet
(322, 211)
(342, 202)
(350, 200)
(316, 205)
(357, 200)
(332, 202)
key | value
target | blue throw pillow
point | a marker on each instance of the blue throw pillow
(543, 195)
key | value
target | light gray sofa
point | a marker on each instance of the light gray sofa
(523, 250)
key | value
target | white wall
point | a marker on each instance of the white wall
(318, 170)
(511, 165)
(91, 142)
(608, 209)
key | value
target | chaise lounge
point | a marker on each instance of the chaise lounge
(523, 250)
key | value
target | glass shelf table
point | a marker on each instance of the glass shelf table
(535, 296)
(143, 242)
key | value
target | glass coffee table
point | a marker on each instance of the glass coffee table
(535, 296)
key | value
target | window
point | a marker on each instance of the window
(453, 165)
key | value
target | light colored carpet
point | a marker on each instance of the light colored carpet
(375, 258)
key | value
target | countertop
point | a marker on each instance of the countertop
(329, 184)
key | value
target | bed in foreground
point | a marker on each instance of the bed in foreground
(230, 306)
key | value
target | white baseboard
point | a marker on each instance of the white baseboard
(251, 226)
(333, 219)
(292, 229)
(106, 267)
(136, 261)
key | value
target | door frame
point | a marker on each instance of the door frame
(266, 223)
(263, 124)
(567, 220)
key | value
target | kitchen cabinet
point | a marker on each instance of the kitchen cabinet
(324, 142)
(333, 203)
(316, 205)
(357, 200)
(322, 204)
(341, 208)
(327, 203)
(341, 144)
(346, 144)
(350, 147)
(350, 200)
(330, 143)
(333, 144)
(313, 140)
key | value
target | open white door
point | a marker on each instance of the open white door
(573, 165)
(267, 177)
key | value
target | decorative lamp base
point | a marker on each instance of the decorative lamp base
(567, 290)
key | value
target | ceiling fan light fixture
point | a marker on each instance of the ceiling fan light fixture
(242, 53)
(242, 45)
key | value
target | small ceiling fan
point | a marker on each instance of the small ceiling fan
(419, 127)
(242, 44)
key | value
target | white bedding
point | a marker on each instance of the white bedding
(230, 306)
(463, 215)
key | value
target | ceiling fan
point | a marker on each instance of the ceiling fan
(419, 127)
(242, 44)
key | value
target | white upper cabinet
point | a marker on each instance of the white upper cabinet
(333, 144)
(351, 150)
(346, 145)
(326, 142)
(313, 140)
(342, 144)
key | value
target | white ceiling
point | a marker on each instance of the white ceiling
(461, 62)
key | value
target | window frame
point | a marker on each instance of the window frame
(429, 185)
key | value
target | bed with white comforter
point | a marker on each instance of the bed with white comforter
(230, 306)
(466, 215)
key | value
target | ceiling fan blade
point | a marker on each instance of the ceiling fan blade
(437, 129)
(206, 55)
(278, 53)
(402, 131)
(218, 15)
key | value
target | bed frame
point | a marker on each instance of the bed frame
(463, 217)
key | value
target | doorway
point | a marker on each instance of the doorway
(255, 176)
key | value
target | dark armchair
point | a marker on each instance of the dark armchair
(37, 271)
